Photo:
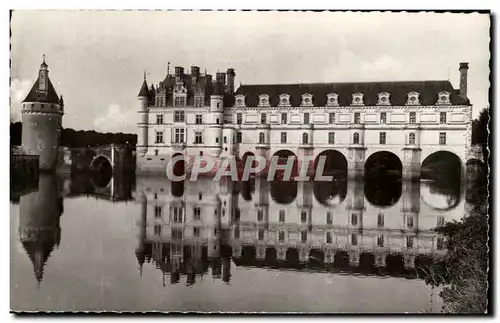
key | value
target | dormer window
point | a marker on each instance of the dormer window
(284, 100)
(357, 98)
(263, 100)
(332, 100)
(443, 98)
(307, 100)
(413, 98)
(240, 100)
(383, 99)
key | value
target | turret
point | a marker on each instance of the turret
(230, 80)
(142, 135)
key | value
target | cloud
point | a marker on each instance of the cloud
(18, 91)
(115, 119)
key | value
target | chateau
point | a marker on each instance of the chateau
(192, 114)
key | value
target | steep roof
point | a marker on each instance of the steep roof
(51, 96)
(398, 91)
(144, 90)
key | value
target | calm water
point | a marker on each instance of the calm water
(150, 244)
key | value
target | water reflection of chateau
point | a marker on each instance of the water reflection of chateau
(350, 227)
(39, 230)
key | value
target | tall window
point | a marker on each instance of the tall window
(440, 221)
(158, 211)
(329, 219)
(159, 137)
(283, 137)
(263, 118)
(354, 219)
(157, 229)
(413, 117)
(198, 101)
(237, 233)
(283, 118)
(179, 101)
(199, 119)
(303, 216)
(440, 243)
(196, 232)
(179, 135)
(409, 242)
(261, 234)
(383, 117)
(156, 152)
(382, 138)
(262, 138)
(159, 119)
(442, 117)
(281, 236)
(355, 138)
(328, 237)
(239, 118)
(260, 215)
(179, 116)
(380, 241)
(239, 137)
(282, 215)
(331, 137)
(411, 139)
(177, 214)
(198, 137)
(354, 239)
(380, 220)
(197, 213)
(304, 236)
(306, 118)
(442, 138)
(305, 138)
(357, 117)
(331, 117)
(409, 221)
(176, 234)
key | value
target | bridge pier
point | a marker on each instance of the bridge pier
(411, 164)
(356, 163)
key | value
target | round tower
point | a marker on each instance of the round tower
(142, 123)
(42, 112)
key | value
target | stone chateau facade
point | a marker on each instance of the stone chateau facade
(192, 114)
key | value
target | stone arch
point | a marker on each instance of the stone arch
(330, 193)
(102, 171)
(384, 163)
(179, 168)
(283, 156)
(383, 174)
(336, 164)
(442, 165)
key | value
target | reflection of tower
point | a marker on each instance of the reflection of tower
(39, 229)
(42, 120)
(141, 248)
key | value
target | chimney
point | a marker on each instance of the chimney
(195, 74)
(464, 67)
(230, 80)
(179, 73)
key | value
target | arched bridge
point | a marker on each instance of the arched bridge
(110, 158)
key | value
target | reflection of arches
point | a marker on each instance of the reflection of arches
(248, 253)
(283, 156)
(271, 254)
(394, 263)
(367, 261)
(102, 171)
(179, 167)
(247, 155)
(177, 188)
(292, 256)
(335, 164)
(440, 195)
(341, 259)
(283, 192)
(383, 192)
(442, 165)
(316, 256)
(383, 163)
(247, 189)
(330, 193)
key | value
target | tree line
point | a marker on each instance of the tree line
(78, 138)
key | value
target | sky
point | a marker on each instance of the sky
(97, 59)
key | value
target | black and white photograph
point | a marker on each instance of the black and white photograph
(312, 162)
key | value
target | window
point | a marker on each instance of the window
(442, 117)
(156, 152)
(198, 101)
(328, 237)
(331, 117)
(303, 216)
(283, 118)
(237, 233)
(261, 234)
(197, 213)
(440, 221)
(217, 140)
(218, 105)
(239, 137)
(357, 117)
(225, 139)
(409, 221)
(355, 138)
(157, 230)
(380, 220)
(200, 196)
(176, 234)
(215, 231)
(380, 241)
(331, 137)
(177, 214)
(198, 137)
(411, 139)
(329, 219)
(262, 138)
(179, 116)
(159, 137)
(409, 242)
(179, 101)
(282, 215)
(199, 119)
(263, 118)
(354, 239)
(281, 236)
(217, 121)
(354, 219)
(440, 243)
(305, 138)
(442, 138)
(159, 119)
(304, 236)
(196, 232)
(382, 138)
(306, 118)
(260, 215)
(413, 117)
(383, 117)
(283, 137)
(158, 211)
(239, 118)
(179, 135)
